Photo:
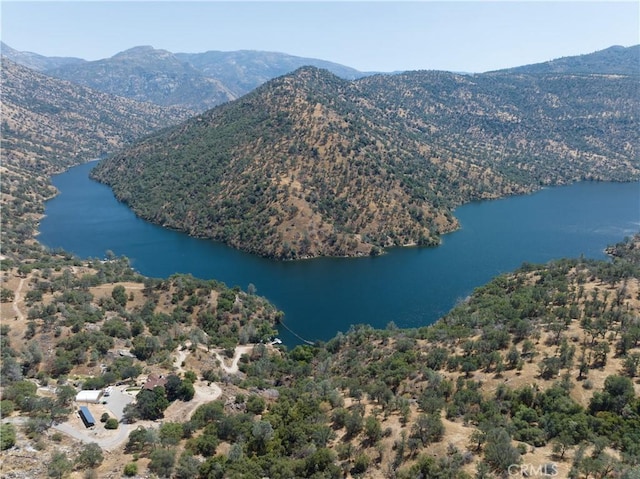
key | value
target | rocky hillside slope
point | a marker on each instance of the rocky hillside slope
(35, 61)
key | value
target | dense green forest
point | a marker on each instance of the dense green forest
(310, 164)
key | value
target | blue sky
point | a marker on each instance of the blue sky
(470, 36)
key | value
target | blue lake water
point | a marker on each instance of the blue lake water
(409, 286)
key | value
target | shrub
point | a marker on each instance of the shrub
(6, 295)
(6, 407)
(59, 465)
(162, 462)
(7, 436)
(131, 469)
(111, 423)
(255, 404)
(361, 464)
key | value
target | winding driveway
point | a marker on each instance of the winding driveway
(203, 393)
(106, 443)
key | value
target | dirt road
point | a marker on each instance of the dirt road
(16, 300)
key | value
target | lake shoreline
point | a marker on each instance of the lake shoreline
(376, 250)
(410, 285)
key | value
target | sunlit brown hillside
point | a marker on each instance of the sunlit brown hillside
(49, 124)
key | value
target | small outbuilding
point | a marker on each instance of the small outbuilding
(89, 396)
(87, 417)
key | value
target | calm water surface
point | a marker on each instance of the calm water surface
(409, 286)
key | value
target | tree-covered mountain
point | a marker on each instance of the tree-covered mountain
(149, 75)
(36, 61)
(310, 164)
(615, 60)
(532, 129)
(49, 124)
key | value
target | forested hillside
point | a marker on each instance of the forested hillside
(312, 165)
(50, 124)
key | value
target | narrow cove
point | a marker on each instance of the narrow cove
(407, 286)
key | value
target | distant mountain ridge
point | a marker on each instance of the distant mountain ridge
(199, 81)
(615, 60)
(148, 75)
(35, 61)
(245, 70)
(313, 165)
(196, 81)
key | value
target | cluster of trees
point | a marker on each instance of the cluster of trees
(234, 317)
(626, 250)
(61, 306)
(88, 458)
(42, 411)
(498, 326)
